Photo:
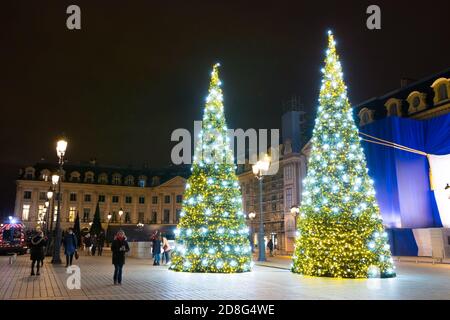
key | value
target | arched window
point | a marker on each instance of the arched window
(103, 178)
(129, 180)
(45, 175)
(394, 107)
(442, 92)
(417, 102)
(441, 88)
(29, 173)
(74, 176)
(116, 179)
(142, 181)
(89, 177)
(365, 116)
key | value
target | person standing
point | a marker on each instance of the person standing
(37, 255)
(156, 250)
(94, 244)
(119, 247)
(166, 250)
(100, 243)
(88, 243)
(70, 246)
(270, 247)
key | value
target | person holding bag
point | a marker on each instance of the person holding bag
(166, 250)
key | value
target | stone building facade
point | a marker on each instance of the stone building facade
(146, 196)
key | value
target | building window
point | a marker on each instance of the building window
(87, 198)
(103, 178)
(141, 199)
(43, 196)
(442, 92)
(72, 214)
(127, 217)
(179, 198)
(141, 217)
(166, 216)
(288, 172)
(75, 176)
(89, 177)
(166, 199)
(177, 215)
(128, 199)
(73, 196)
(288, 198)
(55, 213)
(115, 199)
(86, 214)
(129, 180)
(101, 198)
(274, 206)
(29, 173)
(116, 179)
(26, 212)
(141, 183)
(154, 216)
(27, 195)
(41, 212)
(154, 200)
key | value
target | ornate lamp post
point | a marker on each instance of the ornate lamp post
(295, 211)
(61, 147)
(259, 170)
(109, 216)
(120, 217)
(252, 216)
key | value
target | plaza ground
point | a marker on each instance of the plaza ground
(272, 280)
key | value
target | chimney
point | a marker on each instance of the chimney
(404, 82)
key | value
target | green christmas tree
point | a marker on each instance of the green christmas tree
(340, 229)
(96, 226)
(212, 235)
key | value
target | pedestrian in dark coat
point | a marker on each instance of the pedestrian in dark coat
(94, 244)
(100, 243)
(270, 246)
(156, 250)
(70, 246)
(37, 253)
(119, 247)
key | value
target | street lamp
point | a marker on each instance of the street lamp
(252, 216)
(61, 147)
(120, 216)
(259, 170)
(447, 189)
(295, 210)
(109, 216)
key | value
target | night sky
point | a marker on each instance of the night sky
(140, 69)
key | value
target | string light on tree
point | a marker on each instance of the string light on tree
(212, 230)
(340, 226)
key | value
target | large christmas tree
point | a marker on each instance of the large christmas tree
(340, 230)
(212, 235)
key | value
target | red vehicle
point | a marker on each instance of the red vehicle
(12, 238)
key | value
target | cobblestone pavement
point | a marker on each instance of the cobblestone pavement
(144, 281)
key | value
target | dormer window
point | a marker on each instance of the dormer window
(74, 176)
(142, 181)
(366, 116)
(103, 178)
(441, 89)
(129, 180)
(29, 173)
(89, 177)
(116, 179)
(416, 101)
(394, 107)
(45, 175)
(155, 181)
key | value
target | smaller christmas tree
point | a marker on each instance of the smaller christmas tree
(96, 226)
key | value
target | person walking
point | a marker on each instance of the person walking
(119, 247)
(270, 247)
(166, 250)
(70, 246)
(100, 243)
(94, 244)
(87, 243)
(156, 250)
(37, 252)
